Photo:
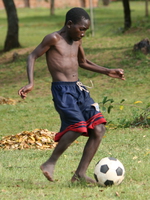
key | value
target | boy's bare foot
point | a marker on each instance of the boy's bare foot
(84, 178)
(47, 170)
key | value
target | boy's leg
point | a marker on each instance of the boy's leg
(64, 143)
(95, 137)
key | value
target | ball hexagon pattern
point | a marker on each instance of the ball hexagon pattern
(109, 171)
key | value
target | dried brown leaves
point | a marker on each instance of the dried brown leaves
(9, 101)
(37, 139)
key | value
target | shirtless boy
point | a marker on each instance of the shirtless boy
(78, 113)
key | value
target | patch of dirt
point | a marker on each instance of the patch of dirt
(132, 30)
(12, 55)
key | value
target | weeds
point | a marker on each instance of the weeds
(139, 116)
(143, 119)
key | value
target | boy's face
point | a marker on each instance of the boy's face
(77, 31)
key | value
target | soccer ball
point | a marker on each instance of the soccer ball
(109, 171)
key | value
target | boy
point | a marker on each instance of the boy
(78, 112)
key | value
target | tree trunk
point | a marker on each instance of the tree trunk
(106, 2)
(83, 3)
(11, 40)
(27, 3)
(127, 16)
(146, 8)
(52, 7)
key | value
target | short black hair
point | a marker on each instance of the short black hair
(76, 14)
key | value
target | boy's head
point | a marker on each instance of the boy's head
(76, 15)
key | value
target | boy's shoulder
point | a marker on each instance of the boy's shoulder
(55, 35)
(52, 37)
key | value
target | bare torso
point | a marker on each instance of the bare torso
(64, 54)
(62, 59)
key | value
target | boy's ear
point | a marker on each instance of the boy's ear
(69, 23)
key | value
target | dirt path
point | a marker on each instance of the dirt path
(13, 54)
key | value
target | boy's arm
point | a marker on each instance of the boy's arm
(37, 52)
(86, 64)
(114, 73)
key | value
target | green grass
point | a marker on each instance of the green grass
(20, 176)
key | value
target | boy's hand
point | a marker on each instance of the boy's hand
(116, 73)
(24, 90)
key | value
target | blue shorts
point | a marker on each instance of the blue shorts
(78, 112)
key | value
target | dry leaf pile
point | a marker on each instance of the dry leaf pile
(37, 139)
(9, 101)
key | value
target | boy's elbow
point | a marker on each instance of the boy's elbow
(32, 56)
(83, 64)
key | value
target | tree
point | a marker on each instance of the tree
(27, 3)
(146, 8)
(106, 2)
(11, 40)
(83, 3)
(127, 15)
(52, 7)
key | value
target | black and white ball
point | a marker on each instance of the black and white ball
(109, 171)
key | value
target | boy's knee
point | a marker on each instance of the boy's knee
(99, 130)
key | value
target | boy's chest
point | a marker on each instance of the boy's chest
(66, 49)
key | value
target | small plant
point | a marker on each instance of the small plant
(144, 118)
(137, 118)
(107, 107)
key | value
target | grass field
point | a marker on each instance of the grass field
(127, 136)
